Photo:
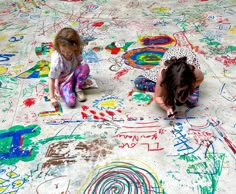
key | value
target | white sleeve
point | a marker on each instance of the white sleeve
(55, 66)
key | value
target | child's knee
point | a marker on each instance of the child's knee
(71, 104)
(139, 86)
(70, 100)
(192, 101)
(138, 80)
(85, 70)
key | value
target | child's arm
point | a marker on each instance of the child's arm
(158, 96)
(52, 92)
(199, 76)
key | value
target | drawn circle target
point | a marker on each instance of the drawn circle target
(144, 58)
(120, 177)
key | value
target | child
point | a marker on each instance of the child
(67, 75)
(176, 82)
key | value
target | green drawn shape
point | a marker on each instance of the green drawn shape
(141, 97)
(9, 143)
(208, 170)
(8, 86)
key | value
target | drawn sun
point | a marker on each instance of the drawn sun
(108, 103)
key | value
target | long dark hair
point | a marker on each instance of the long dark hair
(178, 73)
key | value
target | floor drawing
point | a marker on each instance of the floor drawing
(118, 141)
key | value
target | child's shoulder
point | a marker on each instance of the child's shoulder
(55, 56)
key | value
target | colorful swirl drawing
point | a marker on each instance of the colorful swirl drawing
(123, 178)
(157, 41)
(144, 58)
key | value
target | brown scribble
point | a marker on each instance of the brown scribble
(91, 151)
(68, 152)
(58, 154)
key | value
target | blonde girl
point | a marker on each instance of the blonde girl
(67, 74)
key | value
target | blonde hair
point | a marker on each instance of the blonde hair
(69, 38)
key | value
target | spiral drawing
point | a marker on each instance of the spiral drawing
(123, 178)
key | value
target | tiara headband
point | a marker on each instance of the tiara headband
(69, 40)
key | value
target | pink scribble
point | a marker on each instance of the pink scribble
(120, 73)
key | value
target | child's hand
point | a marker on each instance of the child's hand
(54, 102)
(170, 113)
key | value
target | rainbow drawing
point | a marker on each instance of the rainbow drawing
(57, 111)
(144, 58)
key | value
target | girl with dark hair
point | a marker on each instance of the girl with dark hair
(67, 74)
(175, 82)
